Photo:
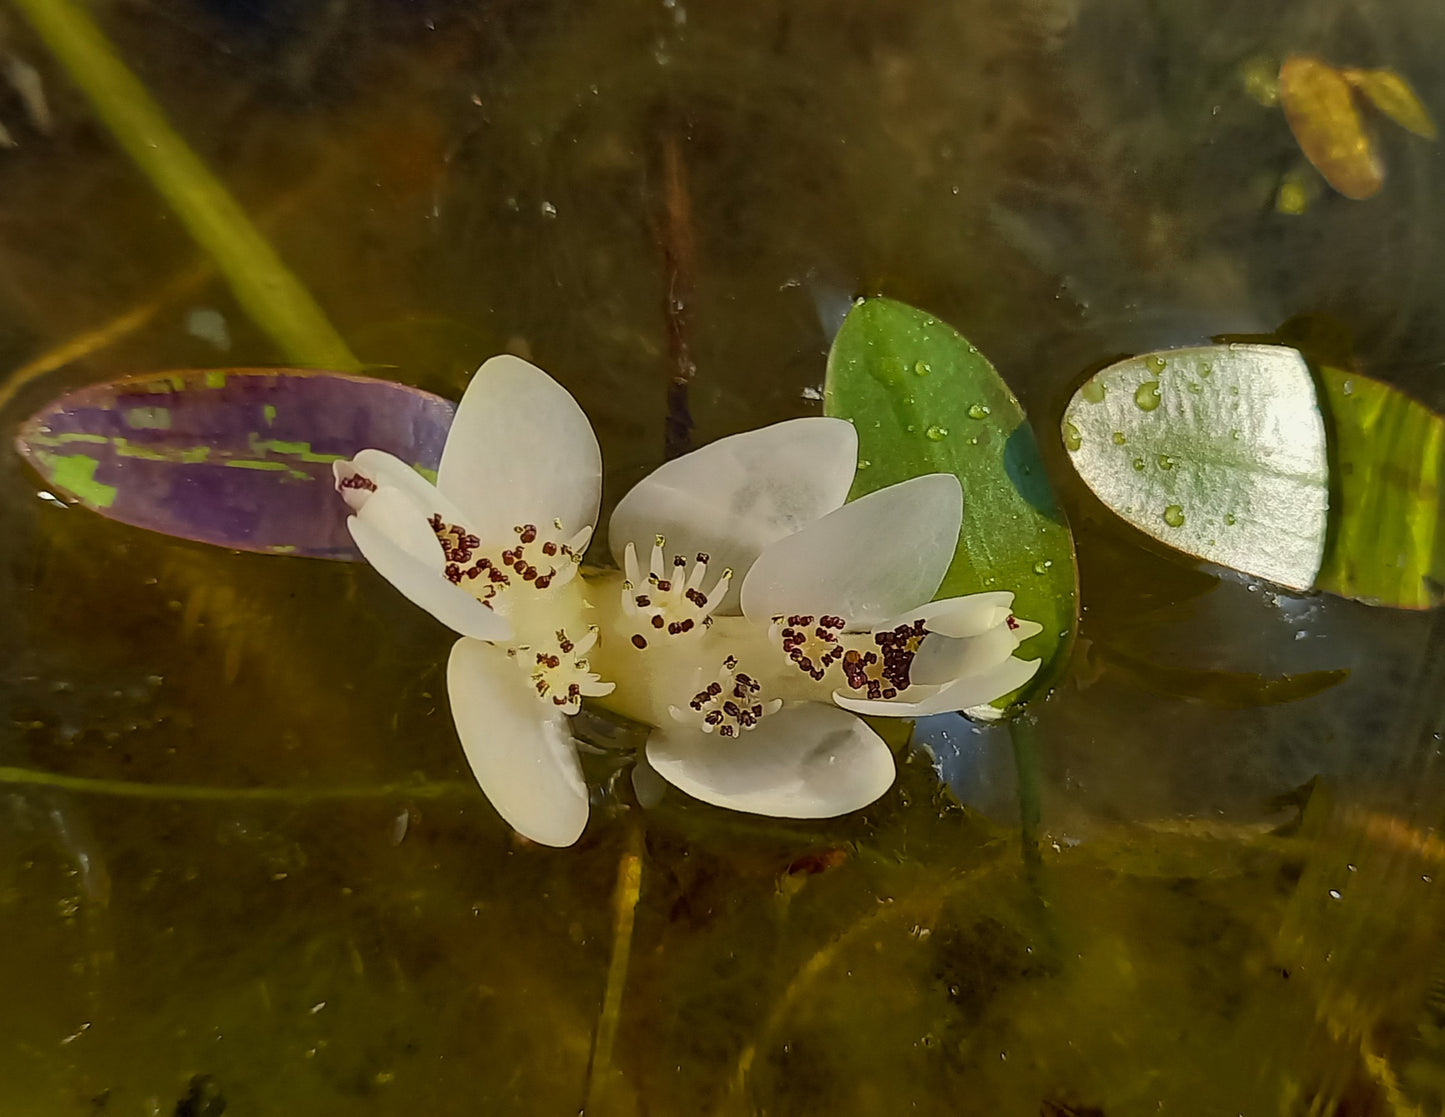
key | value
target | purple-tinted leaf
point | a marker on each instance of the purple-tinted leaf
(236, 457)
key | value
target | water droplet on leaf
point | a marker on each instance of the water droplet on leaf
(1174, 516)
(936, 433)
(1146, 396)
(1072, 438)
(1165, 461)
(1119, 438)
(1092, 391)
(1156, 363)
(978, 411)
(922, 368)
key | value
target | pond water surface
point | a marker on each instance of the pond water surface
(273, 888)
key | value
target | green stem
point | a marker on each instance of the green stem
(602, 1077)
(1026, 764)
(267, 291)
(126, 789)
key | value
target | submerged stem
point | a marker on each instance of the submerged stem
(263, 285)
(127, 789)
(678, 249)
(1026, 763)
(601, 1075)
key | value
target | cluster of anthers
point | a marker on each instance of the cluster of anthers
(877, 663)
(671, 606)
(540, 561)
(559, 670)
(729, 705)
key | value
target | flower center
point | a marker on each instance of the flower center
(559, 669)
(538, 560)
(729, 705)
(670, 606)
(877, 663)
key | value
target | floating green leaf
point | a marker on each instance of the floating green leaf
(1217, 451)
(926, 401)
(1388, 458)
(1231, 454)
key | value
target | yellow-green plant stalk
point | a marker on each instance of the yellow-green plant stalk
(268, 292)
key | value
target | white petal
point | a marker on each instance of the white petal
(647, 785)
(806, 761)
(868, 561)
(387, 471)
(520, 451)
(403, 522)
(733, 497)
(398, 557)
(942, 659)
(975, 690)
(970, 615)
(381, 468)
(520, 749)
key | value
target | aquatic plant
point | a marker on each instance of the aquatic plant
(752, 677)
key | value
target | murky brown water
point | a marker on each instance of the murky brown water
(1206, 931)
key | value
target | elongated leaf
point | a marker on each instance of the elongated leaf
(1231, 689)
(236, 457)
(1231, 453)
(923, 401)
(1217, 451)
(1387, 544)
(1325, 119)
(1393, 96)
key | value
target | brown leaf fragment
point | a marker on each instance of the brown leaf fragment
(1320, 107)
(1393, 96)
(816, 861)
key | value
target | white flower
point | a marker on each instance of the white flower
(770, 614)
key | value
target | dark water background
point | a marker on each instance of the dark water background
(1235, 910)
